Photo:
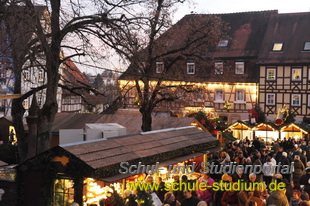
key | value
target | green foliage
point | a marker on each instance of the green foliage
(9, 153)
(228, 137)
(144, 198)
(289, 116)
(261, 115)
(216, 123)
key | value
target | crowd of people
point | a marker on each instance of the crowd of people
(245, 152)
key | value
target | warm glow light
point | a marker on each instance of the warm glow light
(163, 170)
(95, 192)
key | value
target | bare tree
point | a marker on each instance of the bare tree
(149, 41)
(46, 40)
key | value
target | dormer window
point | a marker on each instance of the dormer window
(223, 43)
(159, 67)
(190, 68)
(307, 46)
(277, 47)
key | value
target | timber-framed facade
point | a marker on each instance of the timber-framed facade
(285, 74)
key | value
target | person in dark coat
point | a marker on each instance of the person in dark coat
(304, 180)
(277, 198)
(256, 143)
(259, 177)
(189, 200)
(279, 154)
(161, 190)
(298, 170)
(170, 200)
(284, 161)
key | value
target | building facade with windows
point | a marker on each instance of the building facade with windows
(225, 81)
(285, 66)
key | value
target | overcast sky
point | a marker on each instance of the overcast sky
(225, 6)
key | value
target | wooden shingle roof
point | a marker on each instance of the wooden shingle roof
(104, 153)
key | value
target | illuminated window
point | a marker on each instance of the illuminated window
(219, 68)
(63, 193)
(296, 99)
(271, 74)
(239, 95)
(159, 67)
(219, 95)
(296, 74)
(26, 104)
(190, 68)
(277, 47)
(40, 76)
(307, 46)
(239, 68)
(223, 43)
(26, 75)
(270, 99)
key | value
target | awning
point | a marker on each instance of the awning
(264, 127)
(162, 164)
(238, 126)
(293, 128)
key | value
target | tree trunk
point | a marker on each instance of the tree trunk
(17, 112)
(50, 107)
(146, 120)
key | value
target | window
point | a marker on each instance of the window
(25, 104)
(240, 95)
(296, 74)
(277, 47)
(219, 67)
(190, 68)
(63, 192)
(159, 67)
(270, 99)
(219, 95)
(308, 100)
(40, 76)
(66, 99)
(223, 43)
(239, 68)
(271, 74)
(26, 75)
(296, 99)
(307, 46)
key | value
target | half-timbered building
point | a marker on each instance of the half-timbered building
(285, 65)
(226, 79)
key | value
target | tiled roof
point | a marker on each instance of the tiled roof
(73, 75)
(131, 122)
(291, 29)
(109, 152)
(245, 33)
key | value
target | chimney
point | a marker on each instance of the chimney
(32, 122)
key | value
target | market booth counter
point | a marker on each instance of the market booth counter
(86, 172)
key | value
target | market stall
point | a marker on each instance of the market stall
(292, 130)
(240, 130)
(266, 131)
(88, 172)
